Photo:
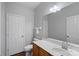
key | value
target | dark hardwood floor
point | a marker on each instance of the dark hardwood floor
(20, 54)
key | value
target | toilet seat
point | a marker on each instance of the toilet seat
(28, 47)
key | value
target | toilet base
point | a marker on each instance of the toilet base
(29, 53)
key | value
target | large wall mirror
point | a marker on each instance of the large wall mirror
(63, 25)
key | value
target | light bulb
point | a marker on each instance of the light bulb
(55, 9)
(52, 10)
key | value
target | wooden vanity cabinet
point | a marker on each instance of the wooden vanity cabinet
(42, 52)
(35, 50)
(38, 51)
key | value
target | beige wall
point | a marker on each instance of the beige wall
(3, 29)
(0, 28)
(57, 26)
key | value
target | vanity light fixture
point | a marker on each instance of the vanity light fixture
(55, 9)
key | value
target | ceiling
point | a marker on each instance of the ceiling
(29, 4)
(33, 5)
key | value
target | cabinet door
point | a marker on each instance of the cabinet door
(43, 52)
(35, 50)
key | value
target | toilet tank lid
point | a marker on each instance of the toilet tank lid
(29, 46)
(35, 39)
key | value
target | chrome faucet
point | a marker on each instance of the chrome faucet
(65, 44)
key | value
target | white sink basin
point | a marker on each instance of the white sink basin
(73, 52)
(61, 52)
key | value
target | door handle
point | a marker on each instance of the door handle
(22, 36)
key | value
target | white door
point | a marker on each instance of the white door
(73, 28)
(15, 33)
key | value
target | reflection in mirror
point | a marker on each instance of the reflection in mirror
(63, 25)
(45, 27)
(73, 29)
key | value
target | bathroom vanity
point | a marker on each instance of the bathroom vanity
(51, 48)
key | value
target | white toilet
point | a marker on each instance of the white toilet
(28, 48)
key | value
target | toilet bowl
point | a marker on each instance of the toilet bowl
(28, 49)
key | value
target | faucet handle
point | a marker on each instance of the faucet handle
(68, 36)
(65, 45)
